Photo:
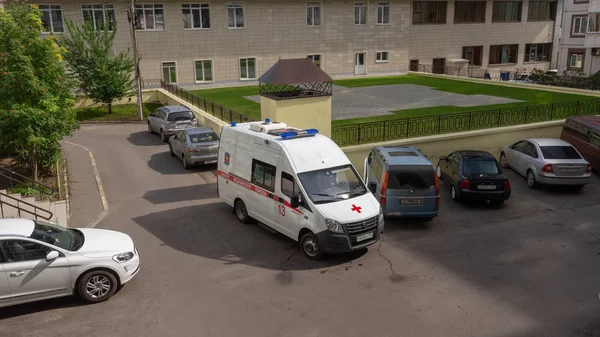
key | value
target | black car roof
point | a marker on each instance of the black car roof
(473, 154)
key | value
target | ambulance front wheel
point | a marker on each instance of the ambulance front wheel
(241, 211)
(310, 246)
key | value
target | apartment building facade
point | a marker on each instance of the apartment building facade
(198, 42)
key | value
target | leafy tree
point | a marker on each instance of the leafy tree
(103, 78)
(36, 97)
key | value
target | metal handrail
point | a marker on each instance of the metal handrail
(45, 189)
(19, 209)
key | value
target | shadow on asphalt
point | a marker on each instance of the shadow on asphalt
(144, 138)
(164, 163)
(212, 231)
(40, 306)
(185, 193)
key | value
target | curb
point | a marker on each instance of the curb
(67, 191)
(98, 185)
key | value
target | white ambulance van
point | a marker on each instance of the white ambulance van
(299, 183)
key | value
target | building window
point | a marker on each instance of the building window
(263, 175)
(52, 19)
(248, 68)
(98, 14)
(382, 56)
(195, 16)
(149, 17)
(204, 71)
(469, 12)
(313, 14)
(575, 59)
(235, 15)
(538, 52)
(541, 11)
(429, 12)
(169, 70)
(578, 25)
(593, 20)
(383, 12)
(316, 58)
(474, 54)
(507, 11)
(360, 13)
(501, 54)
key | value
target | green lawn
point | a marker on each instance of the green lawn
(234, 97)
(121, 112)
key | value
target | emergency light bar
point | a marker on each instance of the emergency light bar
(298, 134)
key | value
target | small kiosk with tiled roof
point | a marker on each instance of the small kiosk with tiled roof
(298, 93)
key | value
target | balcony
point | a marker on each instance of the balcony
(592, 37)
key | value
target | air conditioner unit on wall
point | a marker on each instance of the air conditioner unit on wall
(595, 51)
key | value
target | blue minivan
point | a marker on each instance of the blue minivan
(404, 181)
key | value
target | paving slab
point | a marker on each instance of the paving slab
(383, 99)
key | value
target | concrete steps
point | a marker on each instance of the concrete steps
(8, 209)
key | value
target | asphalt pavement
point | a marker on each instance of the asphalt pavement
(529, 268)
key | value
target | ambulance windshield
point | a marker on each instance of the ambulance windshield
(332, 184)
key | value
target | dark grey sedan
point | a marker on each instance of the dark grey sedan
(195, 146)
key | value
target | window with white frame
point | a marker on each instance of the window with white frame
(204, 71)
(316, 58)
(579, 25)
(196, 16)
(594, 23)
(382, 56)
(169, 71)
(247, 68)
(575, 60)
(52, 19)
(235, 15)
(383, 12)
(360, 13)
(149, 17)
(99, 15)
(313, 13)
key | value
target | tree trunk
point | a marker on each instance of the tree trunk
(110, 108)
(34, 164)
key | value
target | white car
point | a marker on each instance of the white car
(39, 260)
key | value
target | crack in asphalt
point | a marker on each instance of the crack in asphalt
(576, 225)
(394, 277)
(282, 265)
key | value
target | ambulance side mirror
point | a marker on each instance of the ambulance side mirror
(295, 201)
(373, 187)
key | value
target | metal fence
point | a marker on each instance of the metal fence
(457, 122)
(223, 113)
(466, 71)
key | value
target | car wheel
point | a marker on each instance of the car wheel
(531, 179)
(150, 128)
(97, 286)
(503, 160)
(185, 163)
(242, 213)
(438, 171)
(310, 246)
(163, 137)
(171, 150)
(454, 193)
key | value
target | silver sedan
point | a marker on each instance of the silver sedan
(547, 161)
(195, 146)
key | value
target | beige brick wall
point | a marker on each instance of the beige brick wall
(446, 40)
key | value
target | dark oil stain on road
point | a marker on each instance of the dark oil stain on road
(285, 277)
(397, 278)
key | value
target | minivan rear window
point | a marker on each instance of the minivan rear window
(559, 152)
(411, 176)
(480, 166)
(180, 116)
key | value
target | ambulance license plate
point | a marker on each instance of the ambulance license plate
(364, 237)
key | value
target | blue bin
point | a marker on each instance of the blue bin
(505, 76)
(487, 76)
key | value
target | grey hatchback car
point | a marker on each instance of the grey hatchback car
(547, 161)
(167, 120)
(195, 146)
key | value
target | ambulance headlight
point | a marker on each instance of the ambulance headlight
(380, 217)
(334, 226)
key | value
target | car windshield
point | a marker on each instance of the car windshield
(65, 238)
(196, 138)
(418, 177)
(480, 167)
(559, 152)
(332, 184)
(180, 116)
